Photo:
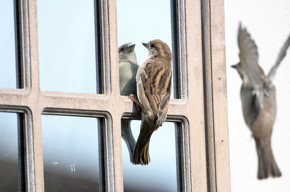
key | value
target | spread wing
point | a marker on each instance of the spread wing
(281, 56)
(249, 61)
(156, 80)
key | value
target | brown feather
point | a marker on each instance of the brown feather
(267, 165)
(153, 88)
(141, 152)
(158, 94)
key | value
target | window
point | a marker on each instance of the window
(161, 173)
(8, 50)
(198, 111)
(70, 153)
(11, 152)
(66, 36)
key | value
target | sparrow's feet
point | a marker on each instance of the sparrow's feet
(136, 101)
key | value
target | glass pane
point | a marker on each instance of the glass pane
(67, 48)
(70, 153)
(7, 45)
(160, 174)
(142, 21)
(9, 160)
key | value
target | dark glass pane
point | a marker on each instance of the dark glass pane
(70, 153)
(7, 45)
(67, 52)
(142, 21)
(9, 160)
(160, 174)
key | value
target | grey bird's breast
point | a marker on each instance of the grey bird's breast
(127, 76)
(260, 123)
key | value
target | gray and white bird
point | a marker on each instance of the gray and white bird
(127, 75)
(258, 97)
(153, 89)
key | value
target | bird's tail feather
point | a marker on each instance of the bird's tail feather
(141, 152)
(267, 164)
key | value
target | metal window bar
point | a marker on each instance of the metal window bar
(188, 112)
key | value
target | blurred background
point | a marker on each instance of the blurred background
(269, 25)
(67, 59)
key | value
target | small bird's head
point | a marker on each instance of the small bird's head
(157, 48)
(127, 53)
(238, 67)
(241, 71)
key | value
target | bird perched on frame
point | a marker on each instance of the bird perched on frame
(153, 89)
(258, 97)
(127, 77)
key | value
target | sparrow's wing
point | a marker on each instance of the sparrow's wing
(281, 56)
(249, 61)
(156, 80)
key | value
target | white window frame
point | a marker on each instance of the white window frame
(200, 112)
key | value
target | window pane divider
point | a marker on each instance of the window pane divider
(194, 41)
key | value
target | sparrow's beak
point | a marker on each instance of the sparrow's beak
(234, 66)
(145, 45)
(131, 47)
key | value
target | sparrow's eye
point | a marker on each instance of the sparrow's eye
(152, 46)
(122, 49)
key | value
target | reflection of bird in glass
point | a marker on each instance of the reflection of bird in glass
(258, 97)
(153, 88)
(127, 72)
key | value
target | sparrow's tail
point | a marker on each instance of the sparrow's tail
(267, 164)
(141, 152)
(128, 136)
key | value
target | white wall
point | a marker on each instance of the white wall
(269, 24)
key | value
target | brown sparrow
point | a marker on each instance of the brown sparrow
(153, 89)
(258, 97)
(127, 76)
